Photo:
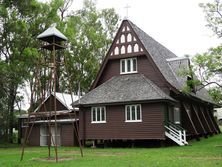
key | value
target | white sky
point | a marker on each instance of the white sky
(177, 24)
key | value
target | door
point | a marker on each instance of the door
(54, 135)
(43, 135)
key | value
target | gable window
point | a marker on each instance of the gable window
(98, 115)
(128, 66)
(133, 113)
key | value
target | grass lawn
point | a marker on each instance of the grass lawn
(207, 152)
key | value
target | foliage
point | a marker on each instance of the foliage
(208, 65)
(90, 33)
(216, 94)
(206, 152)
(213, 15)
(22, 63)
(20, 24)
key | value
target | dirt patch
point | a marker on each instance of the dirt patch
(52, 159)
(201, 158)
(107, 154)
(218, 145)
(70, 152)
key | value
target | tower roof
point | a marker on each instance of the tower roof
(51, 32)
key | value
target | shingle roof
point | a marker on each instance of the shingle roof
(160, 54)
(124, 88)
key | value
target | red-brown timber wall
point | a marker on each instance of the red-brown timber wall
(67, 135)
(49, 105)
(151, 127)
(34, 139)
(144, 67)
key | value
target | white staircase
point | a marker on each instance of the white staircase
(176, 133)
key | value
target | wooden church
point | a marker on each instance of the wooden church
(137, 95)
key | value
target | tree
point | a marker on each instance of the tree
(208, 65)
(90, 32)
(22, 62)
(20, 23)
(213, 15)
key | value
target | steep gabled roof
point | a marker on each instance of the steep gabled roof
(63, 98)
(159, 55)
(124, 88)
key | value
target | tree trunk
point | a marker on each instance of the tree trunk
(11, 99)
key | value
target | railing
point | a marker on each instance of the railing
(176, 133)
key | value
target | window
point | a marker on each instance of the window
(129, 37)
(129, 49)
(116, 52)
(128, 65)
(176, 115)
(98, 115)
(136, 48)
(133, 113)
(123, 50)
(122, 39)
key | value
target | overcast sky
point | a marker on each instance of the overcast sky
(177, 24)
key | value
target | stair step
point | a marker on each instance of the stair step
(176, 134)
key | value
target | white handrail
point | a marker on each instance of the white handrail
(178, 136)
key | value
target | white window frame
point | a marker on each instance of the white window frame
(98, 110)
(136, 120)
(125, 66)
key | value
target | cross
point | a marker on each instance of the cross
(127, 9)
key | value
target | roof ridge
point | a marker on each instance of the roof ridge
(134, 25)
(93, 90)
(158, 53)
(154, 86)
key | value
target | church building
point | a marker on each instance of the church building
(138, 95)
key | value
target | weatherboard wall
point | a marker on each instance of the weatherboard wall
(34, 139)
(49, 105)
(67, 135)
(144, 66)
(151, 127)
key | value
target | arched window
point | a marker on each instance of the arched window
(116, 51)
(136, 48)
(129, 37)
(129, 49)
(122, 39)
(123, 50)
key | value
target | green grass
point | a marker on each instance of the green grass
(207, 152)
